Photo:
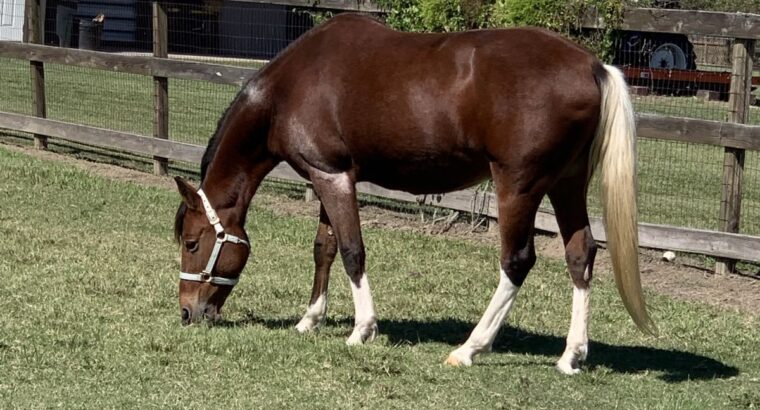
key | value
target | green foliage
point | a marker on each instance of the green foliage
(554, 15)
(442, 15)
(318, 17)
(456, 15)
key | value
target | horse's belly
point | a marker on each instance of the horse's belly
(426, 176)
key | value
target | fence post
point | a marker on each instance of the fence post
(308, 194)
(33, 34)
(733, 161)
(160, 85)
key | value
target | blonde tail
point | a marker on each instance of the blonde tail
(614, 148)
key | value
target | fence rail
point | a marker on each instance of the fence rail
(693, 22)
(133, 64)
(734, 137)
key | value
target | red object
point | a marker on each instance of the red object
(711, 77)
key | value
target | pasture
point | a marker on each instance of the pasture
(90, 319)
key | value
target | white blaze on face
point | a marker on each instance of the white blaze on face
(365, 328)
(315, 315)
(482, 337)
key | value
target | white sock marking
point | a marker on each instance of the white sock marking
(315, 315)
(482, 337)
(577, 336)
(365, 328)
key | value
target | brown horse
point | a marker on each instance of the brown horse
(352, 101)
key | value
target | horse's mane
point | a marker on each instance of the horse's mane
(208, 156)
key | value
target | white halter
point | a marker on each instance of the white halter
(221, 237)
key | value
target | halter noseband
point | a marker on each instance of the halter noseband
(221, 237)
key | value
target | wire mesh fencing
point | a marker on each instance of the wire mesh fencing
(15, 86)
(678, 75)
(750, 216)
(98, 98)
(195, 108)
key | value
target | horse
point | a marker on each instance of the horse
(352, 100)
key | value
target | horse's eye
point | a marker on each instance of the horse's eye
(191, 245)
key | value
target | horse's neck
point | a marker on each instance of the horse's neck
(241, 160)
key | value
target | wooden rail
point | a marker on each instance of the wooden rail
(708, 23)
(102, 137)
(698, 131)
(133, 64)
(337, 5)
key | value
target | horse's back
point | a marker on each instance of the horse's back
(428, 112)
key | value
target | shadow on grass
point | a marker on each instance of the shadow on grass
(675, 365)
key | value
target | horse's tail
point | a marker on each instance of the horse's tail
(614, 149)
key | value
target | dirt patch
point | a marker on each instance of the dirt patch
(687, 278)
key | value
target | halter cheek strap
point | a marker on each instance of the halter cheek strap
(221, 237)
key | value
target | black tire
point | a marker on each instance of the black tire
(636, 48)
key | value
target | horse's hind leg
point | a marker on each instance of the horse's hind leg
(569, 200)
(338, 195)
(517, 211)
(325, 248)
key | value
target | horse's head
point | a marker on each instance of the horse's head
(213, 248)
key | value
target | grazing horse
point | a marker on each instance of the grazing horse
(353, 100)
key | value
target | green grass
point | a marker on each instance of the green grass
(90, 319)
(680, 184)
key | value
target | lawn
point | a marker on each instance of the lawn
(90, 319)
(680, 184)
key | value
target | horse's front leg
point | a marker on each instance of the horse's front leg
(337, 192)
(325, 248)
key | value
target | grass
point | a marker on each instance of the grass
(90, 319)
(680, 184)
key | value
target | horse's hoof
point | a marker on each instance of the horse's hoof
(362, 335)
(306, 326)
(458, 359)
(567, 368)
(570, 362)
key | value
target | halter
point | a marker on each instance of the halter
(221, 237)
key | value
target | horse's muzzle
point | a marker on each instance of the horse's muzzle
(205, 311)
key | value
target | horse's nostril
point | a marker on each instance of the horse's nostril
(185, 316)
(208, 312)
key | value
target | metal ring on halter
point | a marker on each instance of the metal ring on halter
(221, 237)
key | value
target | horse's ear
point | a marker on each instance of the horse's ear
(188, 193)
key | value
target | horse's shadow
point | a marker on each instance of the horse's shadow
(676, 366)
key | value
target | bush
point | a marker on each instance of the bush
(457, 15)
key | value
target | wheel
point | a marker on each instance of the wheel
(654, 50)
(669, 56)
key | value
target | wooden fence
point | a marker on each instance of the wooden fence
(734, 136)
